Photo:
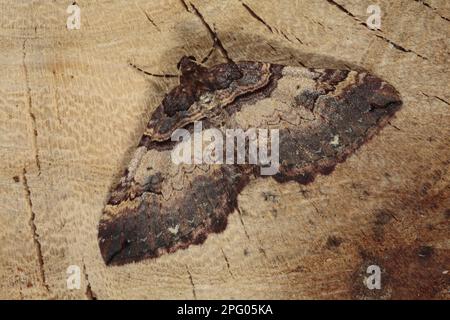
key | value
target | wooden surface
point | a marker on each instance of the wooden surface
(72, 111)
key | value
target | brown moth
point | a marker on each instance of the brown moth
(322, 115)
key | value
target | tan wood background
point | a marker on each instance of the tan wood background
(72, 111)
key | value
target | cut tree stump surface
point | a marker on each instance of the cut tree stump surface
(72, 111)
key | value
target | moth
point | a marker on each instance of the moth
(322, 116)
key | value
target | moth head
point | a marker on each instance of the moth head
(188, 64)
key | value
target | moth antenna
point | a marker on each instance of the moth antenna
(153, 74)
(213, 48)
(201, 63)
(209, 54)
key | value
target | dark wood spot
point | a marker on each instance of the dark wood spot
(333, 242)
(382, 218)
(425, 252)
(447, 214)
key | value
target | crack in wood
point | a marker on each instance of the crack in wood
(228, 263)
(436, 97)
(343, 9)
(192, 283)
(185, 6)
(257, 17)
(394, 126)
(149, 19)
(399, 47)
(242, 222)
(432, 8)
(215, 38)
(442, 100)
(268, 26)
(30, 108)
(298, 39)
(34, 233)
(389, 41)
(89, 293)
